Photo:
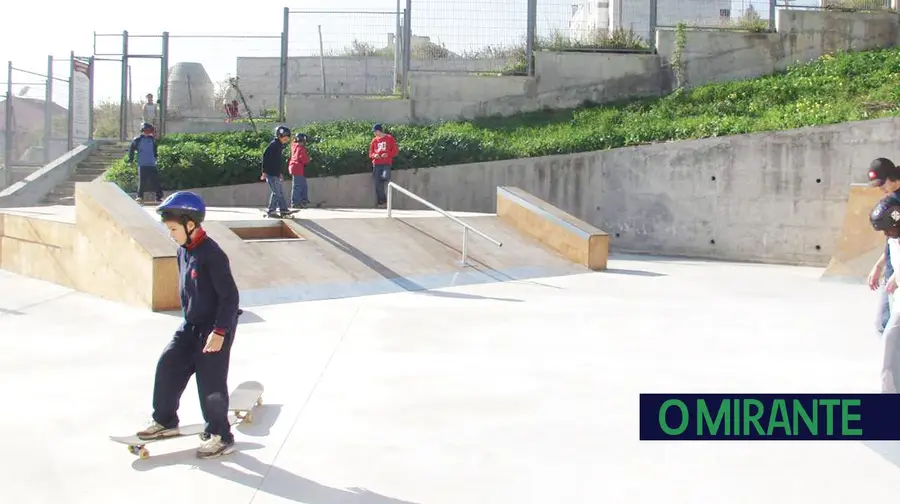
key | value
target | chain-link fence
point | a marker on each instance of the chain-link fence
(840, 5)
(743, 15)
(43, 114)
(339, 53)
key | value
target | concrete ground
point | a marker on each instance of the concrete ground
(520, 392)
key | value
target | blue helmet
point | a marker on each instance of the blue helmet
(183, 205)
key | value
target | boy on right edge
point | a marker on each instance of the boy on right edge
(886, 176)
(382, 151)
(885, 217)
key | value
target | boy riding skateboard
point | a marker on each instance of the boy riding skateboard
(885, 217)
(202, 343)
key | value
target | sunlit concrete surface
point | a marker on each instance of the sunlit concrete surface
(516, 392)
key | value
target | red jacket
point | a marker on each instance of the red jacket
(299, 160)
(385, 145)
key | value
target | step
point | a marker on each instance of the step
(89, 173)
(93, 166)
(84, 177)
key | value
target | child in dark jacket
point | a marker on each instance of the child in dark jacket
(272, 160)
(202, 344)
(148, 173)
(297, 169)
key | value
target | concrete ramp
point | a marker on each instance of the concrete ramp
(858, 246)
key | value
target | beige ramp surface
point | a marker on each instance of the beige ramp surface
(858, 246)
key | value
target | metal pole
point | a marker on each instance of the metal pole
(163, 99)
(772, 7)
(654, 9)
(90, 99)
(283, 67)
(48, 109)
(70, 116)
(123, 97)
(529, 37)
(8, 133)
(407, 42)
(397, 50)
(465, 247)
(390, 197)
(322, 61)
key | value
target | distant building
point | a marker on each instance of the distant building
(28, 128)
(592, 18)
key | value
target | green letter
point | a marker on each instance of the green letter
(846, 417)
(684, 417)
(705, 419)
(752, 418)
(782, 422)
(829, 414)
(812, 424)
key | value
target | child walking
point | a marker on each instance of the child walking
(884, 175)
(382, 151)
(202, 343)
(148, 173)
(271, 172)
(297, 169)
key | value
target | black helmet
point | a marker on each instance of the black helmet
(886, 214)
(145, 126)
(300, 137)
(282, 131)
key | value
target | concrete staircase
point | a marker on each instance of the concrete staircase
(88, 170)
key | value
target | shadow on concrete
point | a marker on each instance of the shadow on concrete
(888, 450)
(248, 317)
(264, 418)
(389, 274)
(5, 311)
(620, 271)
(266, 478)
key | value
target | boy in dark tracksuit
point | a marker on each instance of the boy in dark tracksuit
(148, 172)
(202, 344)
(884, 175)
(272, 161)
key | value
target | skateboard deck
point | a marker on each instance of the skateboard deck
(240, 405)
(289, 214)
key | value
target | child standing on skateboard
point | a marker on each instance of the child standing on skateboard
(272, 160)
(202, 343)
(297, 169)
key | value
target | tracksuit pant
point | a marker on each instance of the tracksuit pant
(182, 358)
(148, 181)
(381, 175)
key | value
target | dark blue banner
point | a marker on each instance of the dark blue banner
(770, 417)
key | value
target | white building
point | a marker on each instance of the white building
(590, 18)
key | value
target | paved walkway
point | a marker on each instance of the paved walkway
(508, 393)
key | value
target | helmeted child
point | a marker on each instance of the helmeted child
(272, 160)
(297, 169)
(148, 172)
(202, 343)
(382, 151)
(885, 217)
(884, 175)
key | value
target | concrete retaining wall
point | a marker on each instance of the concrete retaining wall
(773, 197)
(564, 80)
(33, 188)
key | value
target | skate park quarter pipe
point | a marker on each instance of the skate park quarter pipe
(575, 239)
(858, 246)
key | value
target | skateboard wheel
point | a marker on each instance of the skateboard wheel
(248, 418)
(259, 401)
(144, 453)
(132, 449)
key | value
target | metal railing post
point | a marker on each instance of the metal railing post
(465, 247)
(48, 110)
(772, 7)
(90, 99)
(282, 84)
(407, 43)
(70, 114)
(390, 199)
(9, 138)
(531, 31)
(123, 97)
(654, 10)
(162, 101)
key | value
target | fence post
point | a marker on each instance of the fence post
(530, 34)
(407, 43)
(397, 46)
(8, 133)
(282, 83)
(70, 119)
(163, 98)
(654, 9)
(123, 103)
(90, 98)
(48, 109)
(772, 5)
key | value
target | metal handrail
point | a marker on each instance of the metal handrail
(466, 227)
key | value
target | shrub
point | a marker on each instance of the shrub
(835, 88)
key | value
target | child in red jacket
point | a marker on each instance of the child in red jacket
(297, 169)
(382, 152)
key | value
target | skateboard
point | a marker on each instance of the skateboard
(287, 215)
(240, 402)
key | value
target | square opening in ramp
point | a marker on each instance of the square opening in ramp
(264, 231)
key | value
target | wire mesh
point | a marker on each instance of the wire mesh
(469, 36)
(338, 53)
(839, 5)
(749, 15)
(108, 86)
(38, 127)
(201, 68)
(591, 25)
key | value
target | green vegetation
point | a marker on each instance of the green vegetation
(833, 89)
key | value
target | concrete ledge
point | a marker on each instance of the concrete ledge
(858, 246)
(38, 185)
(575, 239)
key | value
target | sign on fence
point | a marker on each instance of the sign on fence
(81, 101)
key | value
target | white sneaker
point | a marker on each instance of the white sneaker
(214, 447)
(155, 430)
